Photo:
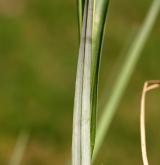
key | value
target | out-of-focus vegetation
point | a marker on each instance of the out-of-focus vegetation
(38, 57)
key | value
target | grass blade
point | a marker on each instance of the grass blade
(76, 137)
(133, 56)
(80, 7)
(86, 96)
(99, 19)
(84, 122)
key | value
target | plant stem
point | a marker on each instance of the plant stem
(76, 137)
(86, 96)
(148, 86)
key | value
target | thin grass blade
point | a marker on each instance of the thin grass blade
(124, 76)
(84, 122)
(86, 97)
(80, 8)
(99, 19)
(76, 135)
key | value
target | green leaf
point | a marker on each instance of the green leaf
(86, 96)
(99, 19)
(80, 9)
(84, 120)
(77, 116)
(125, 74)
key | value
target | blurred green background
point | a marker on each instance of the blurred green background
(38, 57)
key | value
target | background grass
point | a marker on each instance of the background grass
(38, 57)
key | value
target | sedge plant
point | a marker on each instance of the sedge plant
(85, 142)
(91, 16)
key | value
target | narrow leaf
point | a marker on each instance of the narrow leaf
(76, 137)
(80, 9)
(86, 97)
(124, 76)
(99, 19)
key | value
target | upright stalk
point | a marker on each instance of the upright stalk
(86, 96)
(76, 135)
(100, 9)
(84, 119)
